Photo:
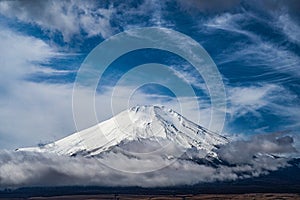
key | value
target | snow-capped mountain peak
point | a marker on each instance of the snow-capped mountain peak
(147, 123)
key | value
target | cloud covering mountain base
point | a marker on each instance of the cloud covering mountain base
(18, 169)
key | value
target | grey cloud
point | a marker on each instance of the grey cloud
(244, 151)
(35, 169)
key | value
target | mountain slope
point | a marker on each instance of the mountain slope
(141, 127)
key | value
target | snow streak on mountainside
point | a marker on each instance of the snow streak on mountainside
(133, 130)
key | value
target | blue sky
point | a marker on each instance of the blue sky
(255, 46)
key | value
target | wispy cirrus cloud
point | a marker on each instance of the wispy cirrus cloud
(272, 64)
(70, 18)
(256, 51)
(250, 99)
(289, 27)
(86, 19)
(253, 102)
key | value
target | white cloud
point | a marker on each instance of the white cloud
(251, 102)
(19, 169)
(229, 22)
(289, 28)
(67, 17)
(274, 99)
(260, 53)
(271, 57)
(34, 112)
(30, 112)
(250, 99)
(18, 51)
(183, 72)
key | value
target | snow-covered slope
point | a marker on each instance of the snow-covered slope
(138, 124)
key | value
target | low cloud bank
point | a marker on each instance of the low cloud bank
(249, 158)
(244, 151)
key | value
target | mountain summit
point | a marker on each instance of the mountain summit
(141, 127)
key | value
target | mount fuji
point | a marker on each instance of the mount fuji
(155, 146)
(139, 130)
